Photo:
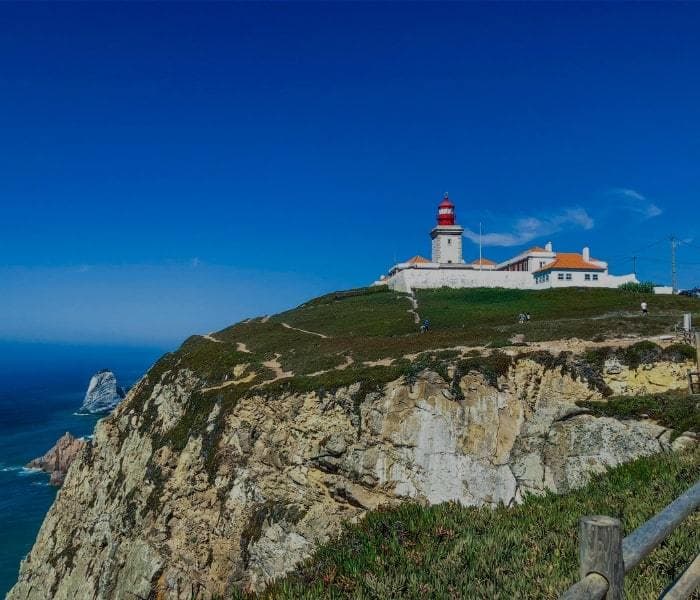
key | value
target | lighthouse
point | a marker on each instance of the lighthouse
(447, 235)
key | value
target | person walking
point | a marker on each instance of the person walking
(645, 309)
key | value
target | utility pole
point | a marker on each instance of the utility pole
(480, 254)
(674, 274)
(634, 265)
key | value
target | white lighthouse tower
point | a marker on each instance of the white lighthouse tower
(447, 236)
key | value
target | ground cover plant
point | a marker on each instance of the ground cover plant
(676, 410)
(528, 551)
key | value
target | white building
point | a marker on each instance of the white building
(535, 268)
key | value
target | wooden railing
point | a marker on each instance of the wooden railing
(605, 557)
(694, 378)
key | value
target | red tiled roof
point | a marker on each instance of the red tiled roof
(483, 261)
(570, 260)
(417, 259)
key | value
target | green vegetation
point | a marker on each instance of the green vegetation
(643, 287)
(555, 314)
(679, 411)
(529, 551)
(367, 312)
(641, 353)
(374, 323)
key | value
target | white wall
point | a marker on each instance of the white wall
(663, 289)
(432, 276)
(578, 279)
(409, 279)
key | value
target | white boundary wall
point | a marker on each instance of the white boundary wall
(434, 276)
(408, 279)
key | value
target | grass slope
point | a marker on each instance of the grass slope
(449, 551)
(556, 313)
(374, 323)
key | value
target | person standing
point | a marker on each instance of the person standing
(645, 309)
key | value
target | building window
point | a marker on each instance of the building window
(587, 276)
(568, 276)
(560, 276)
(541, 264)
(449, 241)
(595, 276)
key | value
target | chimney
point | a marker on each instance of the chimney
(548, 246)
(586, 254)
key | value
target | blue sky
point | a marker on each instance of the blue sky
(172, 168)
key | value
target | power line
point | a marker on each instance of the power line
(684, 243)
(636, 251)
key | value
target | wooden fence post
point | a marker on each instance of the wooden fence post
(600, 551)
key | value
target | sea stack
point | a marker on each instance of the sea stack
(57, 460)
(103, 393)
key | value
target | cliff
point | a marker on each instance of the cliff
(103, 393)
(237, 455)
(264, 483)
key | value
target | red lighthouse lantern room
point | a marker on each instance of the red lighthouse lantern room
(446, 212)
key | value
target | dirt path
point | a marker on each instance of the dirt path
(211, 338)
(382, 362)
(348, 361)
(247, 379)
(574, 345)
(414, 307)
(241, 347)
(265, 319)
(321, 335)
(276, 367)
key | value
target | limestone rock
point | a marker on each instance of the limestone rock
(103, 393)
(685, 441)
(648, 378)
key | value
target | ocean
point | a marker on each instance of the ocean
(41, 388)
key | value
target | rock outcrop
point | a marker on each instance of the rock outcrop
(57, 460)
(103, 393)
(185, 495)
(647, 378)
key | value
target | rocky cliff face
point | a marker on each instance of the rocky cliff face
(103, 393)
(185, 496)
(57, 460)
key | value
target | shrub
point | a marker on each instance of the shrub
(491, 367)
(642, 287)
(675, 410)
(679, 353)
(641, 353)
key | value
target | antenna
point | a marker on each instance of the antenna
(634, 265)
(674, 273)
